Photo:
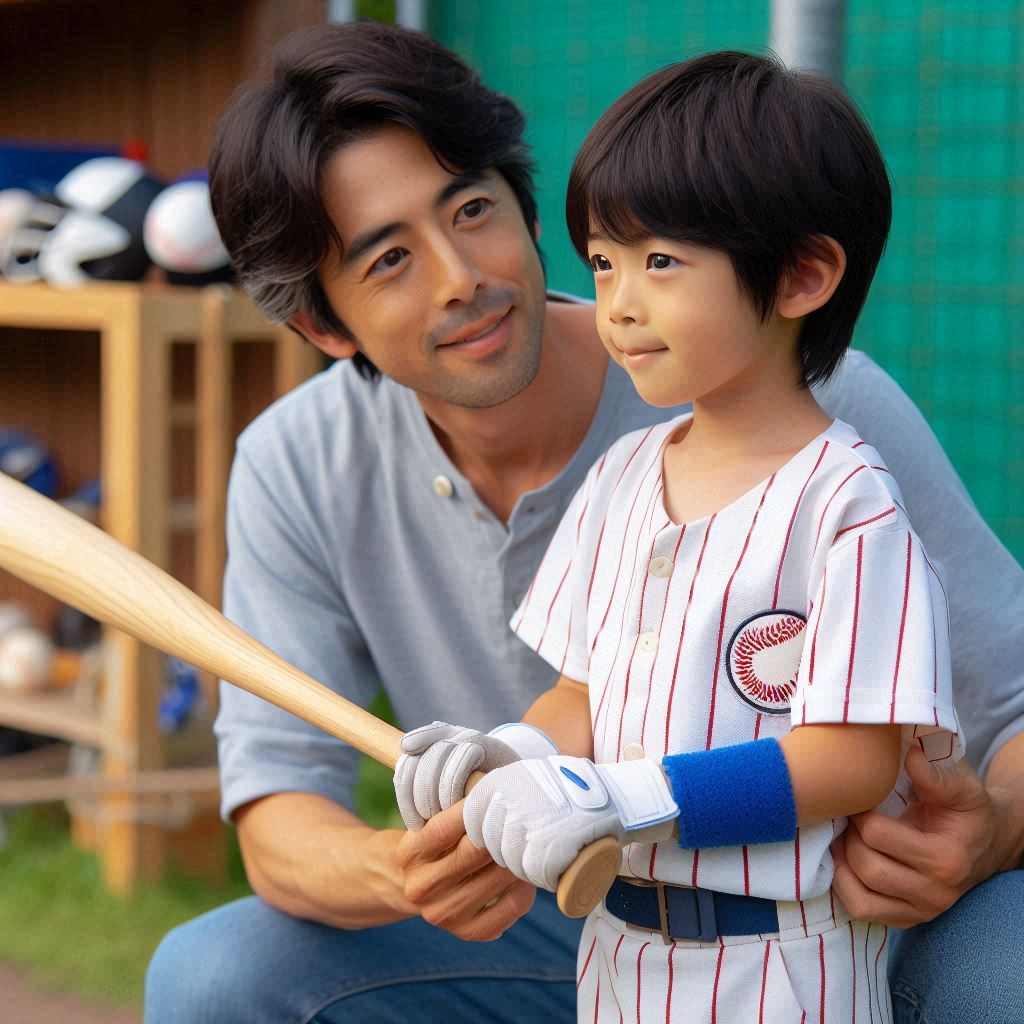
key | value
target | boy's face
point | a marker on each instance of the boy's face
(673, 315)
(440, 281)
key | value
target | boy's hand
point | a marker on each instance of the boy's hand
(439, 758)
(534, 816)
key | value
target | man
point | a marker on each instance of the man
(377, 197)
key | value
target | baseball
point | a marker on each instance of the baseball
(25, 658)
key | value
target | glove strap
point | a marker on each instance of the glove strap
(637, 789)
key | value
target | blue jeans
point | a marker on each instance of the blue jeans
(245, 963)
(966, 966)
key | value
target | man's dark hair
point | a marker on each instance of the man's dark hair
(334, 85)
(735, 152)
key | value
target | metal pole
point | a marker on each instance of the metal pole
(809, 34)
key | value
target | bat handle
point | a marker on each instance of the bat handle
(589, 877)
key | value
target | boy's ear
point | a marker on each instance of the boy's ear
(811, 282)
(328, 342)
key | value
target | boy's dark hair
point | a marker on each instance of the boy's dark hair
(735, 152)
(333, 85)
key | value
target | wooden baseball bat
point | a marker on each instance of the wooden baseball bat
(56, 551)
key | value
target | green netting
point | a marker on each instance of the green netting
(943, 87)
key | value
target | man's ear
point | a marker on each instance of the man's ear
(812, 281)
(328, 342)
(536, 230)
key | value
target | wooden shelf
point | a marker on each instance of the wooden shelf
(55, 714)
(138, 326)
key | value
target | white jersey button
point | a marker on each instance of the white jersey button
(648, 642)
(443, 487)
(660, 566)
(633, 752)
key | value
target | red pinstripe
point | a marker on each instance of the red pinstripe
(853, 955)
(554, 600)
(639, 957)
(632, 654)
(796, 875)
(792, 520)
(853, 639)
(725, 605)
(865, 522)
(746, 873)
(764, 980)
(668, 999)
(714, 995)
(597, 999)
(871, 1008)
(586, 964)
(615, 955)
(821, 960)
(682, 630)
(828, 504)
(899, 645)
(878, 955)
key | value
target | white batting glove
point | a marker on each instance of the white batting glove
(438, 760)
(534, 816)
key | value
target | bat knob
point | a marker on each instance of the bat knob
(589, 877)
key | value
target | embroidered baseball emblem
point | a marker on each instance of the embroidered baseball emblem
(763, 659)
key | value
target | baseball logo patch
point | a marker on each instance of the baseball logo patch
(763, 659)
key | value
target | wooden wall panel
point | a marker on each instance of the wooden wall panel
(160, 70)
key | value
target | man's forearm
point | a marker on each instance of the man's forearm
(1005, 783)
(311, 858)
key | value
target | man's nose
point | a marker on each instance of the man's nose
(457, 276)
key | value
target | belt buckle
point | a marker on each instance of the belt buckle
(704, 907)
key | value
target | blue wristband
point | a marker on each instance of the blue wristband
(733, 796)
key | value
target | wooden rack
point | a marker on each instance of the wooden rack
(137, 326)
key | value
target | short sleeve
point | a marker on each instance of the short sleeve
(277, 589)
(552, 617)
(877, 647)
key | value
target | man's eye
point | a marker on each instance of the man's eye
(388, 261)
(659, 261)
(474, 208)
(599, 263)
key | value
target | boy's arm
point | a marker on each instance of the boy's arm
(563, 712)
(839, 770)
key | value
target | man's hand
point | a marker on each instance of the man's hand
(457, 887)
(902, 871)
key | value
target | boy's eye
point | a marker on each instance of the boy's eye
(659, 261)
(599, 262)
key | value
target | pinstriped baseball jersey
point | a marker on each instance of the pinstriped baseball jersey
(807, 600)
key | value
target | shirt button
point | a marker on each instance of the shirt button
(443, 487)
(660, 566)
(633, 752)
(648, 642)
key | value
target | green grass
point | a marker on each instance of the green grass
(59, 924)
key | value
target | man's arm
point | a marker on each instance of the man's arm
(908, 870)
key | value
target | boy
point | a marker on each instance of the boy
(748, 633)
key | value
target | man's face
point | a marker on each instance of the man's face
(439, 280)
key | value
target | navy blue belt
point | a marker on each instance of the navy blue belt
(682, 913)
